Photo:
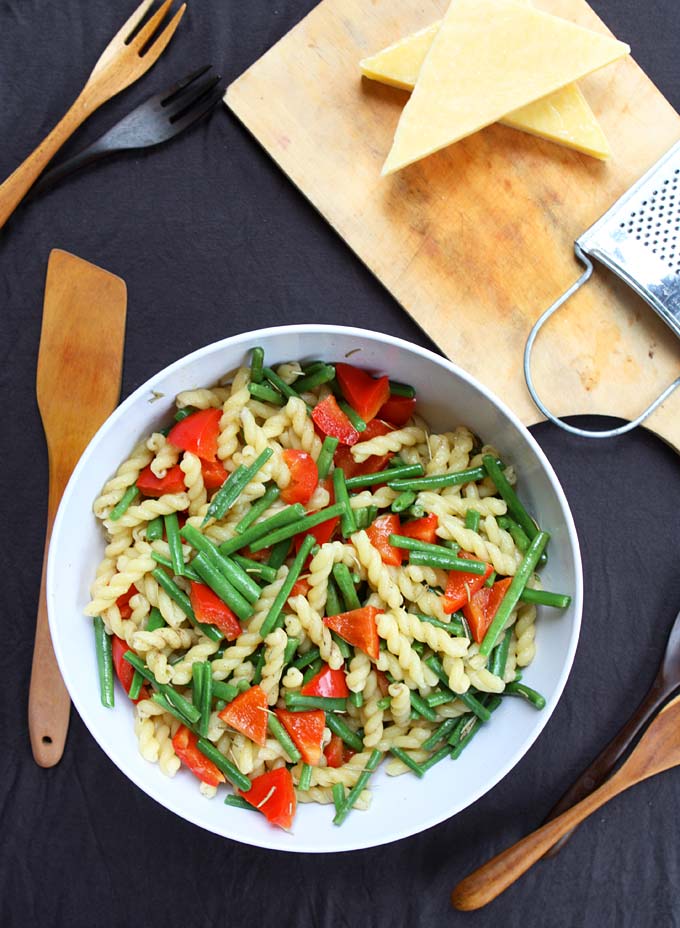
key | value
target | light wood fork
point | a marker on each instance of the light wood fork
(123, 61)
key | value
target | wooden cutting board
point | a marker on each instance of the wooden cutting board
(477, 240)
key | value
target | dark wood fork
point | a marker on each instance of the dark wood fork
(156, 120)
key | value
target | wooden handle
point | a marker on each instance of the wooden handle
(17, 185)
(494, 877)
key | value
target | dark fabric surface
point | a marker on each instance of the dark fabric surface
(213, 240)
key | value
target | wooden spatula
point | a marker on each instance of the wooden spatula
(78, 385)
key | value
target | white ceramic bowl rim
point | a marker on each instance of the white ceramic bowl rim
(273, 839)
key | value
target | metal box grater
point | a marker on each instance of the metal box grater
(638, 238)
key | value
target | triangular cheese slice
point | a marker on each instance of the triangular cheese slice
(563, 117)
(489, 58)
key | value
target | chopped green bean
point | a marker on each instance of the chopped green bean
(189, 712)
(104, 662)
(135, 685)
(305, 780)
(297, 703)
(358, 787)
(343, 647)
(491, 579)
(230, 770)
(124, 503)
(197, 682)
(421, 707)
(256, 362)
(454, 627)
(435, 758)
(340, 728)
(348, 523)
(419, 647)
(168, 707)
(230, 491)
(333, 604)
(182, 600)
(288, 583)
(444, 560)
(406, 758)
(439, 480)
(439, 552)
(338, 791)
(401, 389)
(259, 666)
(403, 501)
(325, 459)
(264, 393)
(357, 699)
(475, 706)
(440, 734)
(278, 383)
(362, 517)
(545, 598)
(183, 413)
(279, 553)
(451, 545)
(271, 494)
(293, 528)
(440, 697)
(472, 518)
(155, 620)
(352, 415)
(236, 576)
(515, 506)
(499, 655)
(307, 658)
(343, 578)
(469, 731)
(519, 536)
(384, 703)
(174, 543)
(255, 568)
(312, 670)
(187, 570)
(238, 802)
(284, 739)
(322, 374)
(290, 514)
(289, 651)
(520, 689)
(224, 691)
(416, 511)
(154, 529)
(206, 699)
(394, 473)
(222, 587)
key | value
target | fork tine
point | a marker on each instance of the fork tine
(190, 95)
(194, 113)
(129, 27)
(156, 49)
(171, 92)
(146, 32)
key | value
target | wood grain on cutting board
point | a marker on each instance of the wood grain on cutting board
(477, 240)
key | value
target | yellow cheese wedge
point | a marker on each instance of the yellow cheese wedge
(488, 59)
(563, 117)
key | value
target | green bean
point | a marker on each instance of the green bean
(362, 517)
(518, 676)
(439, 480)
(124, 503)
(135, 685)
(104, 663)
(475, 706)
(271, 494)
(167, 706)
(284, 739)
(256, 362)
(343, 578)
(435, 758)
(220, 761)
(333, 604)
(439, 551)
(206, 699)
(313, 365)
(154, 529)
(338, 791)
(224, 691)
(307, 658)
(294, 528)
(278, 383)
(451, 545)
(446, 561)
(343, 647)
(472, 518)
(381, 476)
(384, 703)
(408, 760)
(468, 698)
(403, 501)
(222, 587)
(187, 570)
(419, 648)
(352, 415)
(290, 514)
(474, 726)
(515, 507)
(325, 459)
(312, 670)
(255, 568)
(297, 703)
(279, 553)
(190, 713)
(454, 627)
(305, 780)
(238, 802)
(288, 583)
(401, 389)
(422, 708)
(499, 655)
(520, 689)
(197, 683)
(340, 728)
(232, 573)
(322, 374)
(174, 542)
(182, 600)
(461, 725)
(416, 511)
(511, 598)
(155, 620)
(440, 734)
(348, 523)
(184, 413)
(289, 651)
(262, 392)
(545, 598)
(439, 698)
(357, 699)
(230, 491)
(491, 579)
(358, 787)
(519, 536)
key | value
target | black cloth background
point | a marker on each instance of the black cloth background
(213, 240)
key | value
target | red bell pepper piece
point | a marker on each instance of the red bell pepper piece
(424, 529)
(198, 433)
(357, 628)
(398, 410)
(331, 420)
(209, 608)
(123, 603)
(323, 533)
(337, 753)
(306, 730)
(327, 682)
(248, 714)
(273, 794)
(461, 586)
(150, 485)
(379, 533)
(214, 474)
(364, 393)
(300, 588)
(372, 465)
(124, 671)
(482, 607)
(304, 477)
(184, 743)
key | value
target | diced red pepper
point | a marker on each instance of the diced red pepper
(210, 609)
(365, 394)
(337, 752)
(184, 743)
(398, 410)
(483, 606)
(327, 682)
(331, 420)
(379, 534)
(306, 730)
(300, 587)
(373, 464)
(358, 628)
(150, 485)
(123, 602)
(304, 476)
(461, 586)
(214, 474)
(198, 433)
(322, 533)
(273, 794)
(124, 671)
(424, 529)
(248, 714)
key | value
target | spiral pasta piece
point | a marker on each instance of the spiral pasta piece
(201, 651)
(274, 646)
(383, 444)
(400, 706)
(324, 796)
(148, 510)
(302, 426)
(399, 645)
(359, 670)
(293, 679)
(316, 631)
(166, 455)
(503, 562)
(168, 761)
(243, 753)
(166, 637)
(371, 713)
(230, 421)
(382, 497)
(114, 489)
(321, 567)
(348, 774)
(145, 730)
(424, 599)
(459, 681)
(116, 625)
(525, 634)
(157, 597)
(448, 504)
(409, 739)
(193, 481)
(435, 638)
(378, 575)
(120, 583)
(202, 398)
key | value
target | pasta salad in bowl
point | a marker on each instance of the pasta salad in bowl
(299, 571)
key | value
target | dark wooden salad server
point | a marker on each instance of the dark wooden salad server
(658, 750)
(78, 385)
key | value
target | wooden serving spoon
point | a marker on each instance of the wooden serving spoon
(658, 750)
(78, 385)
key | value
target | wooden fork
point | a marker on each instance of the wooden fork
(122, 62)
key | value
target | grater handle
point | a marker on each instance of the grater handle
(528, 348)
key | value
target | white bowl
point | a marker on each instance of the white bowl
(401, 806)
